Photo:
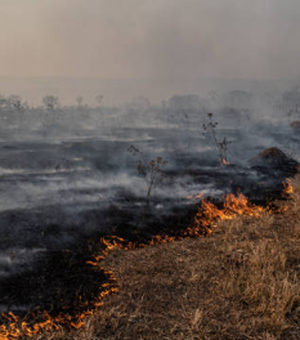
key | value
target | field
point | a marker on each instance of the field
(240, 283)
(72, 176)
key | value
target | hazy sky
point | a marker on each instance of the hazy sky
(150, 38)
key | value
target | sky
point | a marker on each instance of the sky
(137, 39)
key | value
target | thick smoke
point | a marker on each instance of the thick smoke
(149, 39)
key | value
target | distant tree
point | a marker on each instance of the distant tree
(79, 101)
(99, 99)
(185, 102)
(163, 104)
(16, 104)
(214, 96)
(291, 103)
(51, 104)
(239, 99)
(3, 103)
(140, 104)
(182, 107)
(291, 97)
(268, 99)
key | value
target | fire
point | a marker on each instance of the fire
(233, 206)
(14, 328)
(224, 162)
(204, 222)
(287, 187)
(195, 197)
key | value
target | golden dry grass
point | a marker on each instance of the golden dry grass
(241, 283)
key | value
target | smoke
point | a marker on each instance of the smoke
(151, 39)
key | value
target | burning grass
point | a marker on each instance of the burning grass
(241, 283)
(232, 207)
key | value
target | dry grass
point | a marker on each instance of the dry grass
(240, 283)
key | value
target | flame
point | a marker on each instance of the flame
(287, 187)
(195, 197)
(233, 206)
(204, 222)
(224, 162)
(14, 327)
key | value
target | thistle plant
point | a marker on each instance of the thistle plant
(152, 172)
(210, 128)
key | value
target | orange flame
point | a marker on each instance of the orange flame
(195, 197)
(224, 162)
(233, 206)
(287, 187)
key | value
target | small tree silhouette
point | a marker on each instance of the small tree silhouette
(18, 106)
(51, 104)
(152, 171)
(99, 99)
(210, 128)
(79, 100)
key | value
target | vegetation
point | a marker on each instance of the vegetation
(99, 99)
(178, 112)
(79, 100)
(152, 172)
(210, 129)
(49, 118)
(18, 106)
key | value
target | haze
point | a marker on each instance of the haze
(150, 38)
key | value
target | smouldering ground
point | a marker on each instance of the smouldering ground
(240, 283)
